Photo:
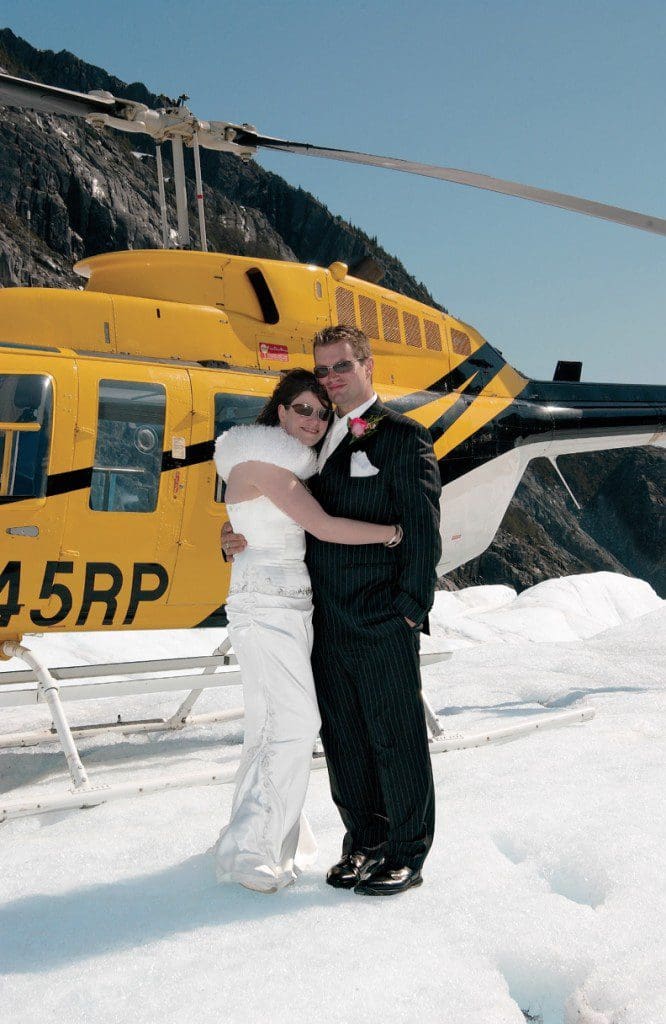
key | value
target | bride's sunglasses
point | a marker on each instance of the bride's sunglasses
(303, 409)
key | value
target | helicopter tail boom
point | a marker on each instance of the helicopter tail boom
(584, 417)
(546, 420)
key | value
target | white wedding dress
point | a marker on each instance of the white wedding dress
(269, 607)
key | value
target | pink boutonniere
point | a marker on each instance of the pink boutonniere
(359, 426)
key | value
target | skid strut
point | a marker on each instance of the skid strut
(49, 691)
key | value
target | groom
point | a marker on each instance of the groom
(369, 605)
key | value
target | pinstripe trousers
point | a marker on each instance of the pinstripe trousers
(376, 743)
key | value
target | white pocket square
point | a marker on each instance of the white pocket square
(361, 466)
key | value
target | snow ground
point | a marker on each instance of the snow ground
(544, 892)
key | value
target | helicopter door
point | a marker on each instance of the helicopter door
(36, 440)
(121, 530)
(221, 401)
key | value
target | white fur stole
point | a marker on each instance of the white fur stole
(256, 443)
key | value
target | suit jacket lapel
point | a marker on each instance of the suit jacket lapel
(376, 409)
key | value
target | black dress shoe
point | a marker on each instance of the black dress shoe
(352, 869)
(389, 881)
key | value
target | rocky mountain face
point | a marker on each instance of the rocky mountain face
(68, 191)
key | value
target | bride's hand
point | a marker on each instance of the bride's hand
(231, 543)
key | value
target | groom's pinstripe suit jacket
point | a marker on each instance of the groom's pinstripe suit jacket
(359, 591)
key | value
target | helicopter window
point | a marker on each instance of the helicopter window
(230, 410)
(433, 336)
(390, 323)
(26, 404)
(344, 300)
(412, 329)
(128, 453)
(369, 318)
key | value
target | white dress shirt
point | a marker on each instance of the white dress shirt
(339, 429)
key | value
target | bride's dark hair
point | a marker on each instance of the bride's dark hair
(292, 384)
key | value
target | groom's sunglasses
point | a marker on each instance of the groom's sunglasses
(303, 409)
(344, 366)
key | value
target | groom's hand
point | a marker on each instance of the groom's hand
(231, 543)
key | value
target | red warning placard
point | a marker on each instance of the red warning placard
(275, 352)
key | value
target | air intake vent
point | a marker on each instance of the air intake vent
(412, 330)
(433, 336)
(460, 342)
(369, 319)
(259, 284)
(390, 323)
(344, 300)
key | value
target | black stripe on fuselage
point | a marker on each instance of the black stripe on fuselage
(81, 479)
(448, 418)
(72, 480)
(195, 454)
(483, 365)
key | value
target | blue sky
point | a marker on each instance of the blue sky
(563, 95)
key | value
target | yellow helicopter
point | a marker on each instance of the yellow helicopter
(110, 398)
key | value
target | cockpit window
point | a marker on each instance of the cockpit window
(26, 412)
(128, 452)
(230, 410)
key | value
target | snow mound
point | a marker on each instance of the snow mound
(559, 610)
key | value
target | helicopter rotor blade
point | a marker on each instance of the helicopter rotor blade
(243, 140)
(48, 99)
(617, 214)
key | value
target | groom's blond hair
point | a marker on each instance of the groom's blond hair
(356, 339)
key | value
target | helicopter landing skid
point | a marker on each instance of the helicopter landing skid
(88, 681)
(83, 682)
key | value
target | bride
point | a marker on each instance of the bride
(270, 625)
